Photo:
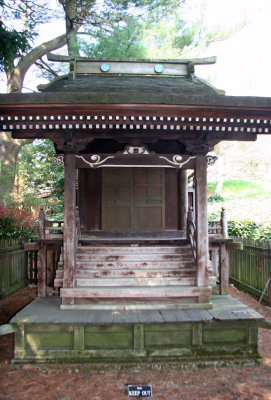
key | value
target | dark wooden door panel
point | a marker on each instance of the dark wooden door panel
(116, 199)
(133, 199)
(90, 198)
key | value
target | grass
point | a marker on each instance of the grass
(243, 200)
(235, 189)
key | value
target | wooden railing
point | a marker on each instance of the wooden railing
(49, 245)
(218, 229)
(17, 266)
(250, 268)
(13, 272)
(219, 246)
(191, 232)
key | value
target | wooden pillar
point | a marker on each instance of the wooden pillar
(183, 200)
(224, 223)
(201, 220)
(42, 271)
(224, 268)
(42, 257)
(69, 233)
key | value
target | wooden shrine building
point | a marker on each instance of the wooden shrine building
(126, 133)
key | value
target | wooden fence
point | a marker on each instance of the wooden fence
(16, 266)
(250, 268)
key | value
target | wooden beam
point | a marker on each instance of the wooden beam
(64, 104)
(201, 220)
(196, 61)
(69, 241)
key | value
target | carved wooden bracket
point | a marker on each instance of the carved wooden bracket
(211, 160)
(130, 157)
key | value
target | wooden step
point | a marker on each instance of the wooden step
(133, 257)
(137, 273)
(127, 240)
(131, 265)
(133, 249)
(114, 293)
(131, 281)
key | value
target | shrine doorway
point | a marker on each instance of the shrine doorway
(133, 199)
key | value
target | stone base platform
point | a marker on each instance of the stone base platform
(225, 335)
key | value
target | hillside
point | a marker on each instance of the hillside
(243, 200)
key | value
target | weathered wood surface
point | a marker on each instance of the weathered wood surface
(122, 273)
(238, 127)
(201, 220)
(183, 190)
(135, 292)
(47, 310)
(250, 267)
(69, 243)
(224, 268)
(138, 68)
(133, 199)
(134, 281)
(196, 61)
(42, 270)
(90, 199)
(13, 271)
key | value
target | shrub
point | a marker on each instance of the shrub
(17, 224)
(215, 199)
(249, 229)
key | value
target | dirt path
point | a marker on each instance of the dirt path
(33, 383)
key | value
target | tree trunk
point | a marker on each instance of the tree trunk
(17, 74)
(10, 148)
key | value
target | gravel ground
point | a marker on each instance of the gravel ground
(66, 383)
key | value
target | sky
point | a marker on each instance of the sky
(243, 61)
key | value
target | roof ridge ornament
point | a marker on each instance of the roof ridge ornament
(131, 66)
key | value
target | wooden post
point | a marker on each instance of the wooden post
(183, 200)
(50, 267)
(41, 224)
(224, 223)
(42, 257)
(201, 220)
(42, 271)
(224, 268)
(268, 246)
(69, 234)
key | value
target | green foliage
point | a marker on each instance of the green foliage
(243, 200)
(124, 41)
(215, 199)
(17, 224)
(249, 229)
(12, 44)
(41, 181)
(18, 28)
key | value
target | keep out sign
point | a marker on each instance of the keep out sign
(139, 391)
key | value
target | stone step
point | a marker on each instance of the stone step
(134, 282)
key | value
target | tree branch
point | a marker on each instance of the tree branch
(16, 76)
(46, 67)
